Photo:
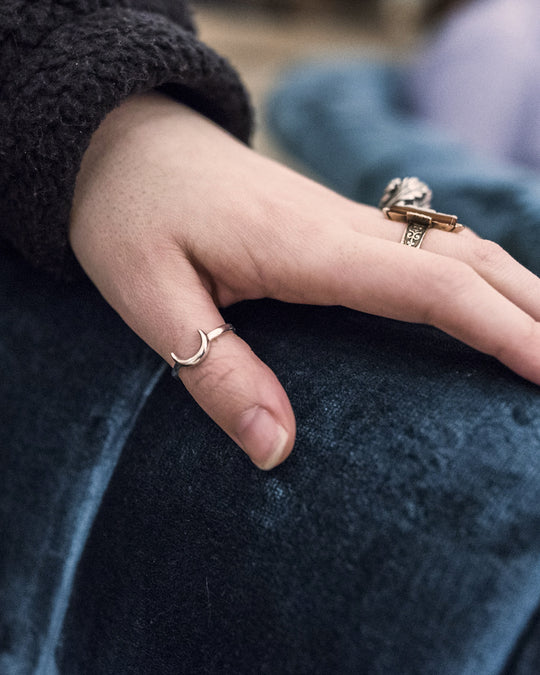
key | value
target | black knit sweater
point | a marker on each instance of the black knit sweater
(64, 64)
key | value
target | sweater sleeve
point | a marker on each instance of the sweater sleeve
(64, 64)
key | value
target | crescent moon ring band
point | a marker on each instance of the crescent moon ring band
(202, 352)
(408, 200)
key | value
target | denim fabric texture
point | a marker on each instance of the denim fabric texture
(402, 536)
(73, 380)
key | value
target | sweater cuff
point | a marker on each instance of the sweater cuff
(69, 83)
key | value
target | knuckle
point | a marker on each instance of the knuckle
(487, 254)
(524, 343)
(447, 281)
(449, 277)
(215, 373)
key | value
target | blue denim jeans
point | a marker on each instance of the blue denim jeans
(402, 536)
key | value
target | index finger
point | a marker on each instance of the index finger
(388, 279)
(491, 261)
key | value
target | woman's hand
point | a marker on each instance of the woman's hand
(173, 218)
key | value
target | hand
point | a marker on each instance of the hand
(173, 218)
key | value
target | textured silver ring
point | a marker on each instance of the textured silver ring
(408, 200)
(202, 352)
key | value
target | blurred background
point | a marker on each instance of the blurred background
(262, 38)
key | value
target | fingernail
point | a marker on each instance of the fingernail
(262, 438)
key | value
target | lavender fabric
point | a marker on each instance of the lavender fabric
(479, 77)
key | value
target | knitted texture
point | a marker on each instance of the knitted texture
(63, 66)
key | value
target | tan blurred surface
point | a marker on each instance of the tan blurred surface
(262, 44)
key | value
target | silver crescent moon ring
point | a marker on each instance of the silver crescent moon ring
(202, 352)
(408, 201)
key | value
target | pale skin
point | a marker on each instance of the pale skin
(173, 218)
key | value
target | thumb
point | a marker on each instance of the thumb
(239, 392)
(166, 304)
(232, 385)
